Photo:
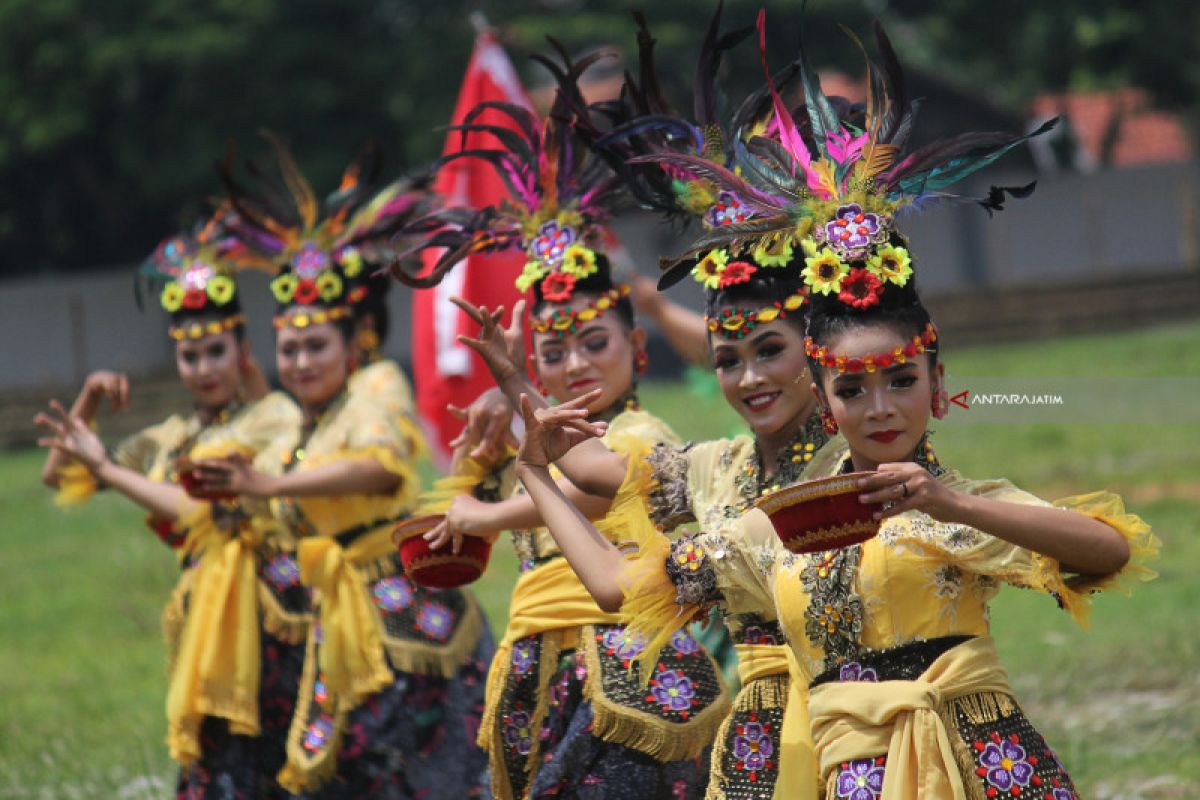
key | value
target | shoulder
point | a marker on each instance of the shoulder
(643, 425)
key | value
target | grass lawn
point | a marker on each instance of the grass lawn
(82, 675)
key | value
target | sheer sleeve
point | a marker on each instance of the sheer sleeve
(670, 500)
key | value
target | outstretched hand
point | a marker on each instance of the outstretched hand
(487, 431)
(551, 432)
(71, 435)
(222, 477)
(501, 348)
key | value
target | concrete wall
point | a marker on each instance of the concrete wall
(1076, 228)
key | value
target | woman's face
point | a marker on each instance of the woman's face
(209, 368)
(599, 355)
(765, 377)
(882, 414)
(313, 362)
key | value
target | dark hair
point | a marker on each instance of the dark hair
(767, 286)
(593, 285)
(899, 309)
(375, 304)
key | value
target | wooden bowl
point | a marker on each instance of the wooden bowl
(440, 569)
(822, 514)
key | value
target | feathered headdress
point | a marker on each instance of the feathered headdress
(827, 187)
(322, 256)
(560, 194)
(196, 272)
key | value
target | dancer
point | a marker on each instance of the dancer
(393, 681)
(564, 717)
(232, 678)
(907, 697)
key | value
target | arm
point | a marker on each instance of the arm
(1079, 543)
(685, 330)
(75, 439)
(100, 384)
(590, 466)
(352, 476)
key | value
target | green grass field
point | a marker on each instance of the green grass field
(81, 665)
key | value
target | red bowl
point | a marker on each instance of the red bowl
(191, 483)
(822, 514)
(440, 569)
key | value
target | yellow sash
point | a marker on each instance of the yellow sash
(902, 718)
(216, 672)
(351, 655)
(797, 779)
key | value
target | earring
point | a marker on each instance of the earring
(828, 422)
(367, 340)
(940, 404)
(641, 362)
(541, 387)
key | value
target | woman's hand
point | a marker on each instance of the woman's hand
(487, 435)
(466, 516)
(908, 486)
(216, 477)
(551, 432)
(111, 386)
(502, 349)
(72, 436)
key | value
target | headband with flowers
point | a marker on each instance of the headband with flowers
(560, 194)
(824, 188)
(196, 271)
(323, 259)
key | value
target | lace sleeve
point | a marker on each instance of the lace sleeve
(670, 501)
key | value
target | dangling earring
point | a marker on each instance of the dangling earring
(541, 387)
(828, 422)
(368, 341)
(940, 404)
(352, 363)
(641, 362)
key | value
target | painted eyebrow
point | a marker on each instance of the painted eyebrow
(894, 368)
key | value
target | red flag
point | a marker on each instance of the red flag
(446, 372)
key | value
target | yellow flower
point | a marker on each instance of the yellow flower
(891, 265)
(532, 273)
(351, 261)
(329, 285)
(284, 288)
(220, 289)
(579, 261)
(172, 297)
(824, 272)
(708, 269)
(773, 252)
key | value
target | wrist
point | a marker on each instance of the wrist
(528, 469)
(961, 509)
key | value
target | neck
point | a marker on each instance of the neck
(208, 414)
(312, 412)
(770, 445)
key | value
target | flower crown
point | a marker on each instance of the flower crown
(869, 363)
(565, 321)
(323, 256)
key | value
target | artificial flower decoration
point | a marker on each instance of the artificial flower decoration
(531, 274)
(579, 261)
(891, 265)
(558, 286)
(329, 286)
(551, 243)
(306, 292)
(708, 269)
(727, 210)
(736, 272)
(221, 289)
(860, 289)
(195, 299)
(284, 288)
(824, 272)
(777, 252)
(172, 297)
(351, 261)
(852, 231)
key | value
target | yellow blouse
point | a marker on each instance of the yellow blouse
(383, 383)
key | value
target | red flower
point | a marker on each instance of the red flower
(737, 272)
(306, 292)
(194, 299)
(558, 286)
(860, 289)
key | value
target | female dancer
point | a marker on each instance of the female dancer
(907, 698)
(228, 711)
(393, 678)
(564, 716)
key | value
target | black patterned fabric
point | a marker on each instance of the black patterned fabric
(752, 740)
(235, 767)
